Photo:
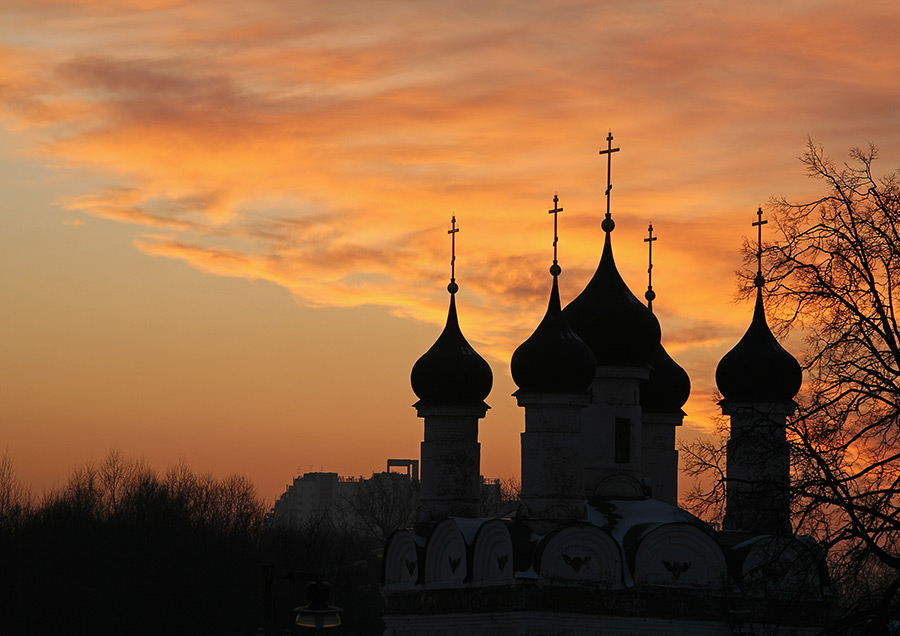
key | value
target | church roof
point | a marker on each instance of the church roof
(553, 359)
(758, 368)
(617, 327)
(668, 387)
(451, 371)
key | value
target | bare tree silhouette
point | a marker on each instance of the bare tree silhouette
(122, 548)
(117, 539)
(834, 276)
(15, 499)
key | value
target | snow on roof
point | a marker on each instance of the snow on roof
(619, 516)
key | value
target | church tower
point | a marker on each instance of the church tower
(662, 396)
(758, 380)
(553, 369)
(623, 334)
(451, 381)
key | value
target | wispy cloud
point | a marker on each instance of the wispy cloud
(324, 148)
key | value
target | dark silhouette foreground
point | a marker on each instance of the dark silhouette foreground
(123, 549)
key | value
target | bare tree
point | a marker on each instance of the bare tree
(186, 544)
(704, 461)
(501, 497)
(15, 499)
(833, 274)
(380, 505)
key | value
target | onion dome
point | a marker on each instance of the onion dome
(758, 369)
(451, 371)
(617, 327)
(553, 359)
(668, 387)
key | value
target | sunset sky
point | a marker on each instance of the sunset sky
(223, 224)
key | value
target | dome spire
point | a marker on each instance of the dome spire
(555, 269)
(650, 295)
(759, 281)
(608, 224)
(453, 287)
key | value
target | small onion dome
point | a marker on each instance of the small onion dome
(451, 371)
(758, 369)
(617, 327)
(553, 359)
(668, 387)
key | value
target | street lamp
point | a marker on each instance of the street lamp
(318, 614)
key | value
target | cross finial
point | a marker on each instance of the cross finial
(608, 224)
(650, 295)
(555, 269)
(453, 287)
(759, 281)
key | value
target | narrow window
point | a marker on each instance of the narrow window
(623, 441)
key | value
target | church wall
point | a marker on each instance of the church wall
(611, 430)
(758, 468)
(659, 459)
(450, 461)
(551, 623)
(552, 473)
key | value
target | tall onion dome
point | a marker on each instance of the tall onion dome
(758, 380)
(554, 369)
(553, 359)
(451, 371)
(451, 381)
(758, 369)
(617, 327)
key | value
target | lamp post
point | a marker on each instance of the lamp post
(317, 613)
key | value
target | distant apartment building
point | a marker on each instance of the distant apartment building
(324, 493)
(379, 502)
(310, 495)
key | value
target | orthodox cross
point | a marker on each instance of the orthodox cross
(759, 280)
(650, 294)
(555, 212)
(452, 232)
(608, 152)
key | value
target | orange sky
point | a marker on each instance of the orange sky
(223, 224)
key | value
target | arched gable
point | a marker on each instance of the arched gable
(492, 557)
(580, 553)
(401, 561)
(679, 555)
(446, 559)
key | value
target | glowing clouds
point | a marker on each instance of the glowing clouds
(325, 149)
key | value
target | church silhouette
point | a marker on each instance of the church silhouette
(598, 544)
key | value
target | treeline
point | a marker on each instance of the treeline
(122, 548)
